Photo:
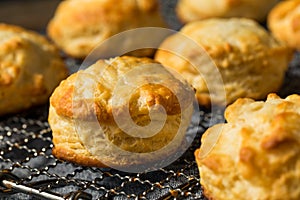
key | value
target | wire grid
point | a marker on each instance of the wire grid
(25, 151)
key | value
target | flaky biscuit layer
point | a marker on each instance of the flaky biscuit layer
(84, 113)
(193, 10)
(30, 69)
(79, 26)
(284, 22)
(255, 155)
(250, 61)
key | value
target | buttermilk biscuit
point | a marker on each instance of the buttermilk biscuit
(284, 22)
(250, 61)
(255, 155)
(79, 26)
(30, 69)
(86, 117)
(193, 10)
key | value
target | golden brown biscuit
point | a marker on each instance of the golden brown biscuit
(79, 26)
(85, 101)
(284, 22)
(193, 10)
(250, 61)
(30, 69)
(255, 155)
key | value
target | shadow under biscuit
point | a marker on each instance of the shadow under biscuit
(291, 83)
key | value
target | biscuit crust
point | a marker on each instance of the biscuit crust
(255, 155)
(191, 10)
(30, 69)
(79, 26)
(239, 49)
(284, 22)
(75, 118)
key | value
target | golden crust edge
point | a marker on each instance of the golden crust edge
(69, 155)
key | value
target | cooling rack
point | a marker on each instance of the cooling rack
(28, 167)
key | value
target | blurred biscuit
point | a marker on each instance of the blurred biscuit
(250, 62)
(79, 26)
(193, 10)
(30, 69)
(284, 22)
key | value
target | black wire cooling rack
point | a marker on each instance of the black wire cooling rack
(28, 167)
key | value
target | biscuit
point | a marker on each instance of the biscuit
(79, 26)
(85, 101)
(255, 155)
(249, 60)
(193, 10)
(30, 69)
(284, 22)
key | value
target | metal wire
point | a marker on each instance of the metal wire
(28, 167)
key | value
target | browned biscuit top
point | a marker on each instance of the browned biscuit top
(255, 155)
(79, 26)
(67, 101)
(284, 22)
